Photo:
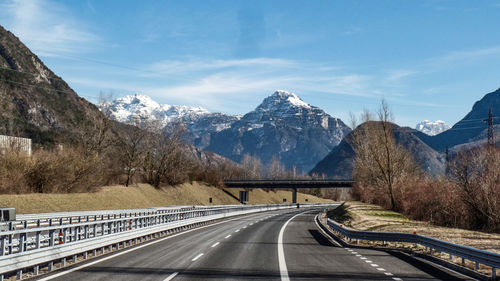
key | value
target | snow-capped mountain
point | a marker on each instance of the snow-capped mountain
(200, 123)
(432, 128)
(282, 125)
(285, 126)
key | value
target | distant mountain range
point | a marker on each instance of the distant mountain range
(427, 149)
(200, 123)
(432, 128)
(283, 125)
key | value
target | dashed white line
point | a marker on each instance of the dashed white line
(354, 253)
(227, 236)
(380, 269)
(171, 276)
(130, 250)
(215, 245)
(397, 279)
(237, 230)
(388, 273)
(374, 265)
(197, 257)
(363, 258)
(358, 255)
(368, 261)
(244, 226)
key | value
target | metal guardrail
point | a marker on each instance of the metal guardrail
(41, 245)
(465, 252)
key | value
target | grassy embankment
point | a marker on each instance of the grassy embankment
(137, 196)
(362, 216)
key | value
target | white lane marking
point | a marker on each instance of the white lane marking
(397, 279)
(368, 261)
(129, 250)
(251, 223)
(171, 276)
(215, 245)
(363, 258)
(354, 253)
(388, 273)
(237, 230)
(227, 236)
(374, 265)
(197, 257)
(350, 250)
(281, 252)
(380, 269)
(244, 226)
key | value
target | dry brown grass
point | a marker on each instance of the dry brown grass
(137, 196)
(261, 196)
(371, 217)
(374, 218)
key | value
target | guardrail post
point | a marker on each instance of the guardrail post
(36, 270)
(37, 239)
(463, 261)
(19, 274)
(75, 257)
(477, 266)
(10, 244)
(50, 266)
(2, 245)
(493, 273)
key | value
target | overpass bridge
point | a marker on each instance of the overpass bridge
(293, 184)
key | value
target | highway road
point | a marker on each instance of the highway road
(279, 245)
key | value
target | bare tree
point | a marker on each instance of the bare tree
(165, 157)
(252, 166)
(132, 148)
(476, 176)
(380, 164)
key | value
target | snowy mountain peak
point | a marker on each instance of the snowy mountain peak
(432, 128)
(124, 109)
(283, 99)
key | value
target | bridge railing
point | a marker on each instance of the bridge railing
(476, 255)
(35, 246)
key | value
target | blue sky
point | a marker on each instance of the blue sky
(429, 59)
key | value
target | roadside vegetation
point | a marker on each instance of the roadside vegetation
(467, 196)
(370, 217)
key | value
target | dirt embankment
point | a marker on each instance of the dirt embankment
(139, 196)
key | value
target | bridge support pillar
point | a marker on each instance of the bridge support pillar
(294, 195)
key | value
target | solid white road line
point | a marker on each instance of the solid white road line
(215, 245)
(281, 252)
(197, 257)
(130, 250)
(171, 276)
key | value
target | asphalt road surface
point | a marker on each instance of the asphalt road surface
(279, 245)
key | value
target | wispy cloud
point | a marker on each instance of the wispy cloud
(197, 65)
(46, 27)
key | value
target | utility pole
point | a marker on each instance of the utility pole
(491, 135)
